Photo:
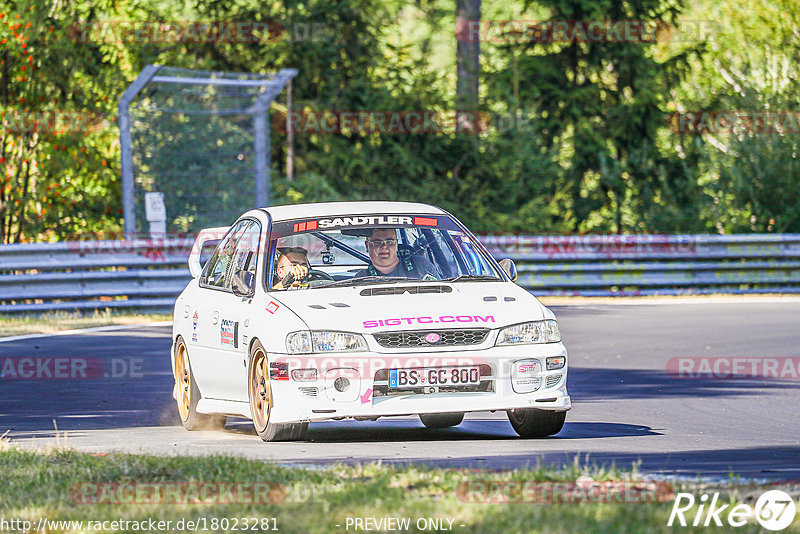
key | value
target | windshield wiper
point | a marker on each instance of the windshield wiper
(363, 280)
(472, 278)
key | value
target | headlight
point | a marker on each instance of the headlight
(535, 332)
(298, 342)
(324, 341)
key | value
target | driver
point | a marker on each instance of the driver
(384, 261)
(291, 260)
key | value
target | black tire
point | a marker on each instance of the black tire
(441, 420)
(188, 394)
(259, 393)
(534, 423)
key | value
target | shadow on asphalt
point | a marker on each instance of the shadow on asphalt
(769, 463)
(397, 430)
(597, 384)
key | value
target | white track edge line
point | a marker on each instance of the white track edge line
(106, 328)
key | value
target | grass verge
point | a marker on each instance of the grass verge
(63, 485)
(16, 325)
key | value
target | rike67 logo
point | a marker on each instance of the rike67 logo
(774, 510)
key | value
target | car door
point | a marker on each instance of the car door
(235, 311)
(213, 362)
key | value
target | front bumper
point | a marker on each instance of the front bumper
(369, 397)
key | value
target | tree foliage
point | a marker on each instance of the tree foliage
(576, 134)
(58, 156)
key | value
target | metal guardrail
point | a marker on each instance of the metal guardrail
(90, 275)
(629, 265)
(146, 274)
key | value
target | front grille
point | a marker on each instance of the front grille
(552, 381)
(448, 338)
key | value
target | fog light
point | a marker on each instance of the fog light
(556, 362)
(304, 375)
(526, 376)
(341, 384)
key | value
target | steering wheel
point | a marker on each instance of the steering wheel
(311, 276)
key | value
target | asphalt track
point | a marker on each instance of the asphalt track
(627, 408)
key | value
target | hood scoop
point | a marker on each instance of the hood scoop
(414, 290)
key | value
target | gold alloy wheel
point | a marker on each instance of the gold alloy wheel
(260, 394)
(182, 381)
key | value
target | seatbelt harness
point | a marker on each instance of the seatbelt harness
(406, 263)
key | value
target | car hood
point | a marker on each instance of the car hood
(367, 309)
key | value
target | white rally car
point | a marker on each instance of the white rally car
(399, 311)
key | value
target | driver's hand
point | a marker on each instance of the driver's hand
(299, 272)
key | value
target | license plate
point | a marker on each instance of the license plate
(434, 376)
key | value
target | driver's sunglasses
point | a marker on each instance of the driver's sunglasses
(380, 243)
(295, 264)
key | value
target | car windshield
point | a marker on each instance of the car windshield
(373, 249)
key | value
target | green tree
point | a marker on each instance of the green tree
(57, 154)
(750, 170)
(601, 105)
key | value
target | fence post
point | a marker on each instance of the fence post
(261, 154)
(126, 149)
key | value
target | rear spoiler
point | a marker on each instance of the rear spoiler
(205, 235)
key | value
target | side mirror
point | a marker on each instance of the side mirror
(243, 283)
(509, 267)
(205, 235)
